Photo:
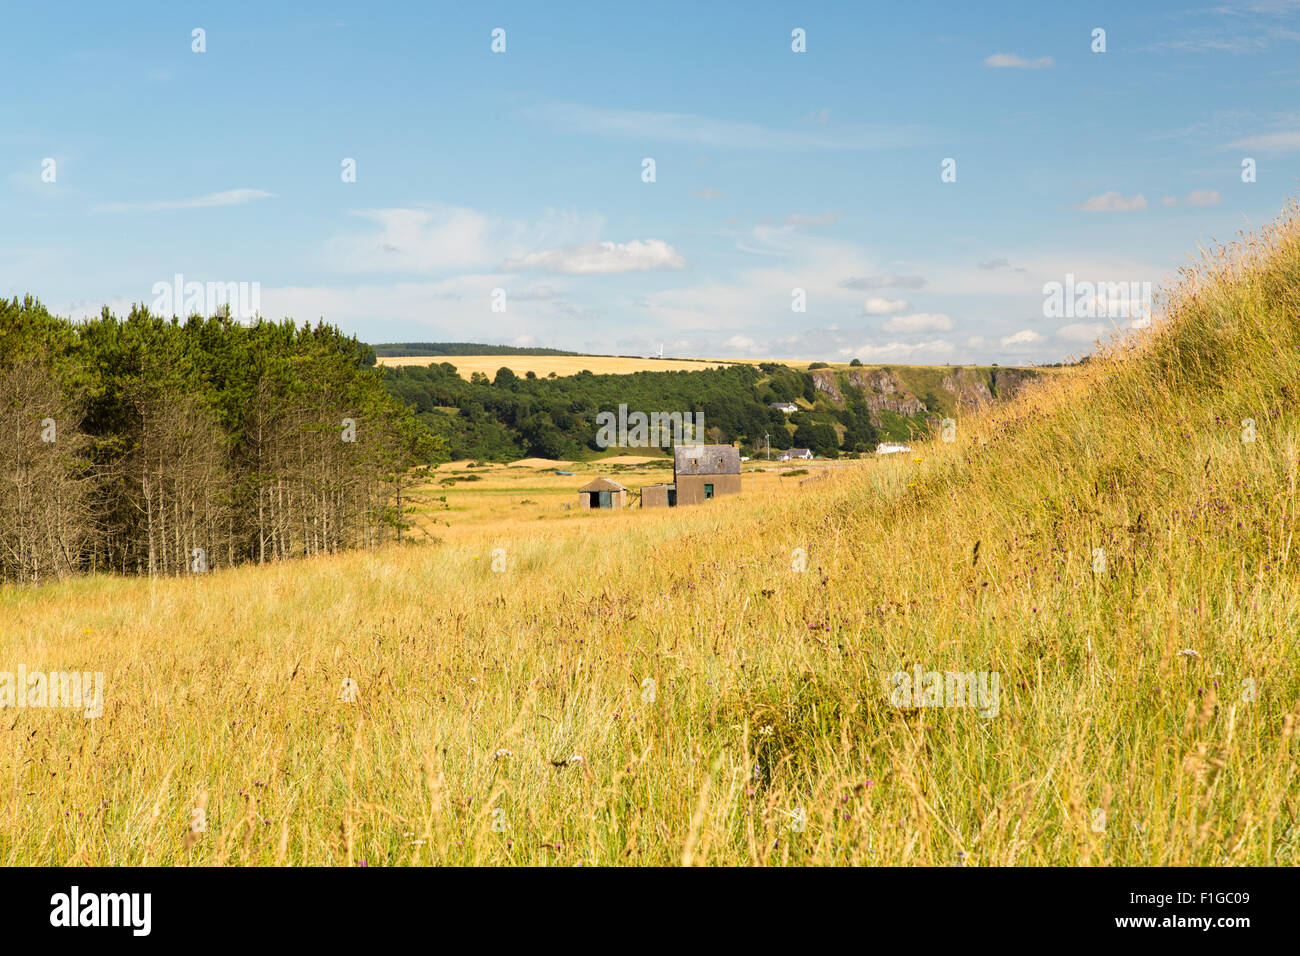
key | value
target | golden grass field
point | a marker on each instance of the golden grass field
(464, 500)
(544, 687)
(544, 365)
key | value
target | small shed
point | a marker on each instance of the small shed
(602, 493)
(659, 496)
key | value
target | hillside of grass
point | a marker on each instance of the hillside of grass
(714, 685)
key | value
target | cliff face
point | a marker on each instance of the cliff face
(1009, 381)
(968, 388)
(824, 382)
(883, 391)
(923, 395)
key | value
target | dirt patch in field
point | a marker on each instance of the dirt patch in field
(632, 460)
(464, 463)
(540, 463)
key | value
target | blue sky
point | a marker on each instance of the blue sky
(523, 170)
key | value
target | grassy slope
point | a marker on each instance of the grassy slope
(771, 686)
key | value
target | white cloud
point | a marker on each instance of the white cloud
(421, 239)
(1023, 337)
(898, 351)
(603, 258)
(918, 322)
(1087, 332)
(442, 238)
(1004, 61)
(231, 197)
(1113, 202)
(748, 298)
(877, 306)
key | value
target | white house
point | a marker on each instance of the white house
(788, 407)
(793, 453)
(891, 448)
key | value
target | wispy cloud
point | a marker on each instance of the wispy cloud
(690, 128)
(231, 197)
(1113, 202)
(918, 322)
(1239, 28)
(1275, 8)
(438, 237)
(886, 281)
(1009, 61)
(1197, 197)
(1286, 141)
(897, 351)
(602, 258)
(1081, 332)
(799, 219)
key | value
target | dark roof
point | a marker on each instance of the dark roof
(706, 460)
(601, 484)
(798, 451)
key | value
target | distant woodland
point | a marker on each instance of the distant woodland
(510, 416)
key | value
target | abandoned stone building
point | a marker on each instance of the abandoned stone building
(700, 472)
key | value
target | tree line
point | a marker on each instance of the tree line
(510, 416)
(147, 445)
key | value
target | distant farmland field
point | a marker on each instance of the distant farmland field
(544, 365)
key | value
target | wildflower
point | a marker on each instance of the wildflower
(1188, 652)
(503, 754)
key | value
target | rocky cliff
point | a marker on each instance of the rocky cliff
(921, 395)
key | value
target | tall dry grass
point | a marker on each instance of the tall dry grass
(668, 689)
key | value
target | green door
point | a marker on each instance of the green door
(708, 492)
(606, 499)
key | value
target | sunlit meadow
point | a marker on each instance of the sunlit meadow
(668, 687)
